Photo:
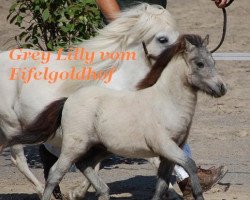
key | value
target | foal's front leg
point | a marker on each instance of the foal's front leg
(170, 151)
(164, 173)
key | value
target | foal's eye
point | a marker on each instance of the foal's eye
(200, 64)
(163, 40)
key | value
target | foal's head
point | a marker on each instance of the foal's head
(201, 73)
(200, 66)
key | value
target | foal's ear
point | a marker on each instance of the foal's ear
(189, 46)
(205, 41)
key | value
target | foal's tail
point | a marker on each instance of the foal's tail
(43, 127)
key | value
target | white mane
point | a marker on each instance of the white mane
(126, 33)
(134, 25)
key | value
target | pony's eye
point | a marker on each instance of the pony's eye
(163, 40)
(200, 64)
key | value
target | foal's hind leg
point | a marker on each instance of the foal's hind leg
(101, 187)
(80, 191)
(93, 158)
(169, 150)
(86, 165)
(68, 156)
(48, 160)
(164, 173)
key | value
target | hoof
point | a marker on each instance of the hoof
(72, 196)
(172, 195)
(39, 191)
(65, 197)
(76, 195)
(57, 193)
(200, 198)
(104, 197)
(62, 198)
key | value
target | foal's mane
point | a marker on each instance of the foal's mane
(166, 56)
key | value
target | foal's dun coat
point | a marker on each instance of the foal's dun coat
(146, 123)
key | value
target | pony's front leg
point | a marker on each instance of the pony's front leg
(19, 159)
(164, 173)
(170, 151)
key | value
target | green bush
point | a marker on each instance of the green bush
(52, 24)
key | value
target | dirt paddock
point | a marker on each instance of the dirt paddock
(220, 133)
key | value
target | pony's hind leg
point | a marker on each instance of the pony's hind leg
(19, 159)
(10, 126)
(164, 173)
(170, 151)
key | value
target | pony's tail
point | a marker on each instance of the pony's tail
(43, 127)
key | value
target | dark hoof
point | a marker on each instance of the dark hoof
(57, 193)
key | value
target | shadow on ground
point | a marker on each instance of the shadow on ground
(136, 188)
(19, 196)
(34, 160)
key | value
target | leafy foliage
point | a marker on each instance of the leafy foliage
(52, 24)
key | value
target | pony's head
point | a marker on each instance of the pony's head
(201, 72)
(149, 23)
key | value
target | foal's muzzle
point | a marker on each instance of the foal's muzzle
(220, 90)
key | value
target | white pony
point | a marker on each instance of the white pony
(147, 123)
(20, 102)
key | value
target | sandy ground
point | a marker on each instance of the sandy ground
(220, 133)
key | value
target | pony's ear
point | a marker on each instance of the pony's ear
(205, 41)
(189, 46)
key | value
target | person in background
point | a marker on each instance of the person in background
(110, 8)
(208, 177)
